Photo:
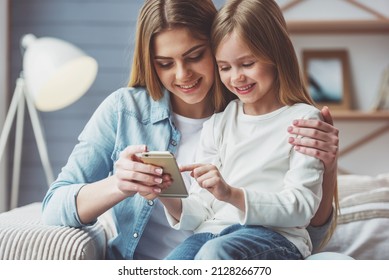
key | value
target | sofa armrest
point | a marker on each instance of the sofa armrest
(23, 236)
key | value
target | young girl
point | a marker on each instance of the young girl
(170, 95)
(257, 194)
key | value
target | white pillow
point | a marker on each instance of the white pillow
(353, 184)
(363, 223)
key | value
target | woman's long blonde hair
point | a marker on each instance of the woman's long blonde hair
(262, 27)
(157, 16)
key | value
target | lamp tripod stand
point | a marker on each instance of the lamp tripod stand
(19, 99)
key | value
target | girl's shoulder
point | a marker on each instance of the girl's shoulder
(303, 110)
(231, 107)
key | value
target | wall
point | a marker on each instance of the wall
(368, 57)
(105, 30)
(3, 95)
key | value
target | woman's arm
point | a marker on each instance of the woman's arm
(321, 140)
(131, 176)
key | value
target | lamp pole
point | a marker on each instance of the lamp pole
(18, 105)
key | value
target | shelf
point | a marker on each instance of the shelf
(361, 137)
(374, 20)
(360, 115)
(334, 27)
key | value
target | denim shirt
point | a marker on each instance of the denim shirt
(128, 116)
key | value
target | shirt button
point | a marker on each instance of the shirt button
(135, 235)
(150, 202)
(173, 142)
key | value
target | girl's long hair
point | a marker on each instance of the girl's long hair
(262, 27)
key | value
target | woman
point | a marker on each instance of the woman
(170, 95)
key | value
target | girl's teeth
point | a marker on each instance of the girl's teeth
(245, 88)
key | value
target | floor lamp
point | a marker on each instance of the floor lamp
(55, 74)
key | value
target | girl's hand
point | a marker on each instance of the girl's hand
(320, 139)
(132, 176)
(209, 178)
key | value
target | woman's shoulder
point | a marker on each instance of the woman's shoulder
(131, 93)
(134, 98)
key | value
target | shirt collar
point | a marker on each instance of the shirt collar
(161, 108)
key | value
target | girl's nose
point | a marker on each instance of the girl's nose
(237, 76)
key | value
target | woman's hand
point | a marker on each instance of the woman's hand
(319, 139)
(208, 177)
(132, 176)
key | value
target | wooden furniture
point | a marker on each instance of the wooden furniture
(379, 23)
(358, 116)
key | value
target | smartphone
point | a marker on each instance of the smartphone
(167, 161)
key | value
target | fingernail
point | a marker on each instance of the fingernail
(158, 180)
(290, 128)
(157, 190)
(159, 170)
(295, 122)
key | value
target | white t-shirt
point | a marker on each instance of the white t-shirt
(159, 238)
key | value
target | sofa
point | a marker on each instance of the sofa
(362, 231)
(23, 236)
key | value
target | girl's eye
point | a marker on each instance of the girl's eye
(224, 68)
(248, 64)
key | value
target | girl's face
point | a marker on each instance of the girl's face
(246, 76)
(185, 67)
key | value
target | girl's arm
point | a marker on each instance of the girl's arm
(173, 206)
(320, 140)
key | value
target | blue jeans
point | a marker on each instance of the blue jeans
(237, 242)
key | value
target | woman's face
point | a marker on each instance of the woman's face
(185, 67)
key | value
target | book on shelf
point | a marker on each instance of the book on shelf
(382, 100)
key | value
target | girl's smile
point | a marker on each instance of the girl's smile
(246, 76)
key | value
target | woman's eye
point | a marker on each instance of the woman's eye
(164, 64)
(196, 57)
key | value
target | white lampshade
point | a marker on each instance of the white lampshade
(56, 72)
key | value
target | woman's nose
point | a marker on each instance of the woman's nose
(182, 72)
